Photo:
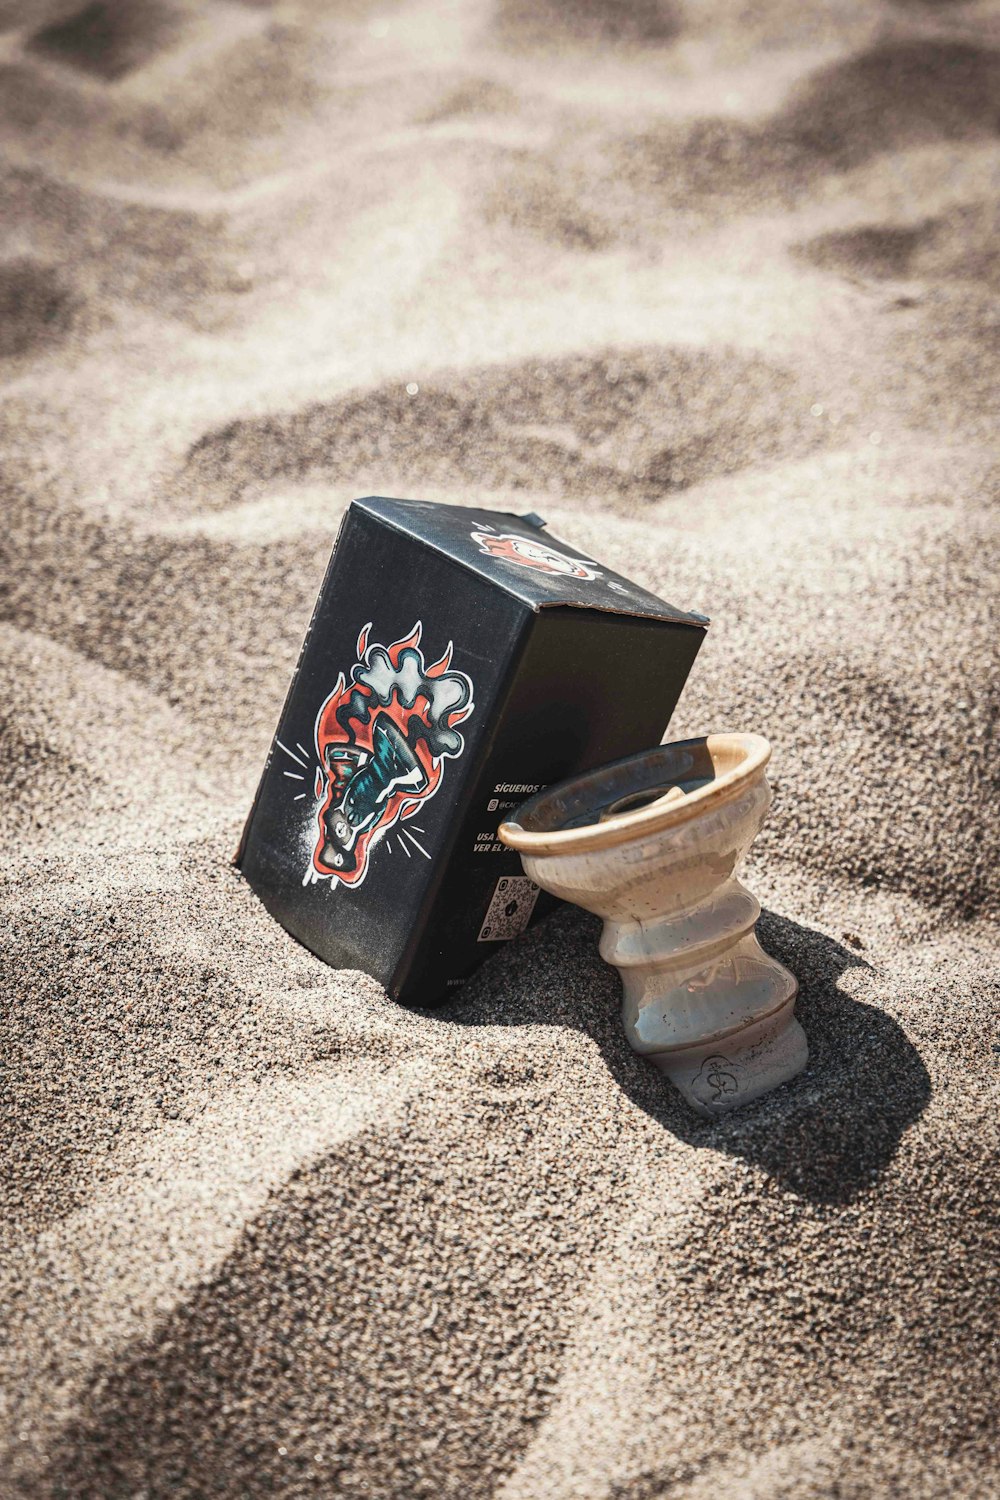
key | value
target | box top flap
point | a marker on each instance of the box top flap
(519, 556)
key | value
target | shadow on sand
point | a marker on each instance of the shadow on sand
(826, 1135)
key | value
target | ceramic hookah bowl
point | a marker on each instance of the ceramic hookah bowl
(651, 844)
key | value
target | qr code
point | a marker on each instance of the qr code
(510, 908)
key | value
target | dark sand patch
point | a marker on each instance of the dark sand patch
(549, 23)
(36, 306)
(159, 611)
(884, 250)
(262, 1382)
(111, 39)
(65, 774)
(474, 96)
(897, 96)
(175, 261)
(534, 196)
(631, 425)
(408, 1298)
(45, 120)
(896, 747)
(113, 1039)
(962, 245)
(192, 134)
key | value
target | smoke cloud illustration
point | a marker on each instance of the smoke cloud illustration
(444, 695)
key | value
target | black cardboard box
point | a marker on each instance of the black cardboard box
(457, 660)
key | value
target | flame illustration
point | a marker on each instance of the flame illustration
(426, 703)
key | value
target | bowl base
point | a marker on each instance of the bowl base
(720, 1076)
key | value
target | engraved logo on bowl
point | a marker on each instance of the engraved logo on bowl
(717, 1082)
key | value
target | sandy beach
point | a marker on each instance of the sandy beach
(713, 288)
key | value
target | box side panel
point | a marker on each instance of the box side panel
(590, 688)
(369, 760)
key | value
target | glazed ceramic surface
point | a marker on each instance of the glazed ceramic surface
(652, 844)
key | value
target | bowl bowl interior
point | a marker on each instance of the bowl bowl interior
(665, 784)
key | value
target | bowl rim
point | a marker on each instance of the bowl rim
(625, 827)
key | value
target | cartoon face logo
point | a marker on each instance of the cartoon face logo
(381, 741)
(526, 552)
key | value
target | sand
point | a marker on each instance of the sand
(714, 289)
